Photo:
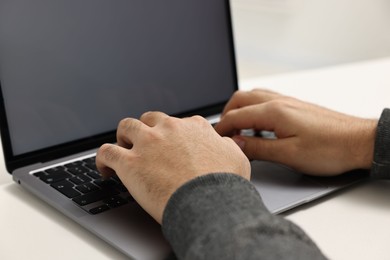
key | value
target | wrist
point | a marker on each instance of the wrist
(363, 149)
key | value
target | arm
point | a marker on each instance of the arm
(221, 216)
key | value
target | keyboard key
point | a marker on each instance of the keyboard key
(39, 174)
(55, 169)
(55, 177)
(79, 170)
(74, 164)
(87, 187)
(94, 175)
(115, 201)
(112, 184)
(91, 165)
(99, 209)
(66, 188)
(80, 179)
(94, 196)
(90, 160)
(106, 183)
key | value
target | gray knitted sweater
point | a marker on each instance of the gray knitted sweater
(222, 216)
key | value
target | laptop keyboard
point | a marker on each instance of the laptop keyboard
(81, 182)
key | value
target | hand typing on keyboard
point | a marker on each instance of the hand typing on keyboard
(157, 154)
(310, 138)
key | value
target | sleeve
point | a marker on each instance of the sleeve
(222, 216)
(381, 165)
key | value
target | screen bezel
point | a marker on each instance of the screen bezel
(13, 162)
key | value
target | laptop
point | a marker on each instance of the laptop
(71, 70)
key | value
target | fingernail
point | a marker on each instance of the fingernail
(239, 141)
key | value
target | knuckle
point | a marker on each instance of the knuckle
(278, 106)
(146, 115)
(108, 152)
(125, 123)
(199, 119)
(239, 94)
(125, 127)
(172, 122)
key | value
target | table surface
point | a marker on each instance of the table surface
(350, 224)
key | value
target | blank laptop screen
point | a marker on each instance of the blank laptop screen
(72, 69)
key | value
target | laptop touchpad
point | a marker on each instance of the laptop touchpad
(282, 188)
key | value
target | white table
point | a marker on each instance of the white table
(351, 224)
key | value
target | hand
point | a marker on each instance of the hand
(157, 154)
(310, 138)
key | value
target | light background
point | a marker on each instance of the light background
(274, 36)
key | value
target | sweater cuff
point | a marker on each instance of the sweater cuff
(381, 164)
(194, 210)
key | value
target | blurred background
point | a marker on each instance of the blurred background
(275, 36)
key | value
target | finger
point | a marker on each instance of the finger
(128, 131)
(152, 118)
(265, 95)
(108, 159)
(249, 117)
(255, 148)
(246, 98)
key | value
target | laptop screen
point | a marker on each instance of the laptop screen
(71, 70)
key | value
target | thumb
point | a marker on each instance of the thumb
(256, 148)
